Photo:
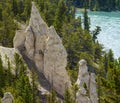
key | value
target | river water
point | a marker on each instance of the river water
(110, 25)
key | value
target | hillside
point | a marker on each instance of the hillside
(51, 64)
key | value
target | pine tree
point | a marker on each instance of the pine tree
(35, 98)
(27, 10)
(95, 33)
(8, 27)
(111, 58)
(8, 73)
(17, 64)
(52, 98)
(67, 97)
(75, 89)
(2, 75)
(60, 15)
(23, 85)
(97, 52)
(86, 18)
(106, 62)
(0, 12)
(14, 7)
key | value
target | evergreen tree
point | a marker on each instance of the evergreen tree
(8, 28)
(106, 64)
(107, 5)
(27, 10)
(75, 89)
(35, 98)
(17, 64)
(2, 82)
(0, 12)
(14, 7)
(67, 97)
(60, 15)
(111, 58)
(98, 52)
(95, 33)
(20, 7)
(8, 73)
(52, 98)
(86, 20)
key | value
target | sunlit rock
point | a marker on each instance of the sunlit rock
(43, 46)
(8, 98)
(87, 85)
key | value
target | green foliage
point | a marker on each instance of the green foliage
(98, 52)
(52, 98)
(60, 15)
(107, 5)
(35, 98)
(2, 75)
(110, 87)
(8, 28)
(19, 86)
(95, 33)
(27, 10)
(108, 83)
(17, 64)
(86, 20)
(79, 43)
(68, 97)
(75, 89)
(11, 10)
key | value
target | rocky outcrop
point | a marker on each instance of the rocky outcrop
(43, 46)
(8, 98)
(42, 49)
(87, 85)
(6, 53)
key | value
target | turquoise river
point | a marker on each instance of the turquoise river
(110, 29)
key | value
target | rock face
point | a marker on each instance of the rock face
(86, 81)
(7, 52)
(42, 45)
(8, 98)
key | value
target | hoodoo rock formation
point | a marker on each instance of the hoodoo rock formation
(42, 49)
(8, 98)
(87, 85)
(42, 45)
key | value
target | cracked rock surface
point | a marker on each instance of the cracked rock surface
(44, 47)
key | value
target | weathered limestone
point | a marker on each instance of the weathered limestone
(8, 98)
(42, 45)
(19, 39)
(89, 94)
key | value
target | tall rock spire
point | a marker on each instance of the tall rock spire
(42, 45)
(36, 22)
(87, 92)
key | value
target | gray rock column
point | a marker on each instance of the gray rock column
(87, 85)
(8, 98)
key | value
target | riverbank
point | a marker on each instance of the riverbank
(81, 9)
